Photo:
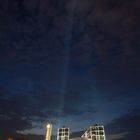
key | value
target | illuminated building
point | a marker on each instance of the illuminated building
(48, 131)
(63, 133)
(95, 132)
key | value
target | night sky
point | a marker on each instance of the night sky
(70, 62)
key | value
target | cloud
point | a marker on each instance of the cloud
(126, 127)
(118, 136)
(122, 12)
(19, 111)
(12, 115)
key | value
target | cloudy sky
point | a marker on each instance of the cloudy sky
(73, 63)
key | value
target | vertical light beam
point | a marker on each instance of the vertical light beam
(70, 8)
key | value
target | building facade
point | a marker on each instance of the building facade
(63, 133)
(95, 132)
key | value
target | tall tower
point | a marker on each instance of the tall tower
(95, 132)
(48, 131)
(63, 133)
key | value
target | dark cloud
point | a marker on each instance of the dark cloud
(12, 115)
(125, 12)
(125, 127)
(19, 110)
